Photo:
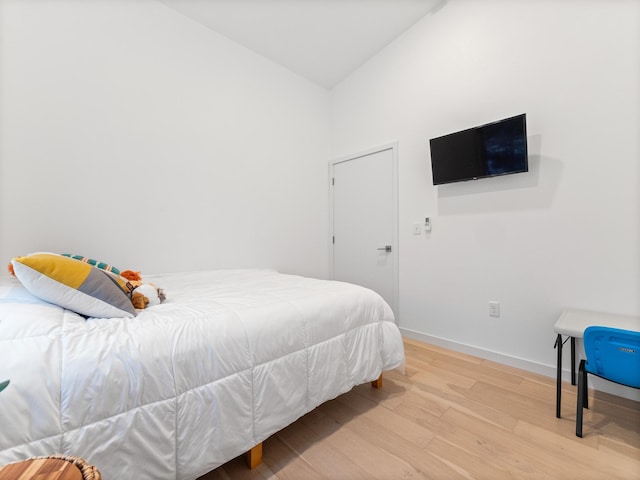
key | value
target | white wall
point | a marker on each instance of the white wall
(134, 135)
(566, 234)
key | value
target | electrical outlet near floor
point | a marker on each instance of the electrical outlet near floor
(494, 309)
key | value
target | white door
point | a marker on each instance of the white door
(364, 208)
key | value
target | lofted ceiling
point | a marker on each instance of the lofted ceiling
(321, 40)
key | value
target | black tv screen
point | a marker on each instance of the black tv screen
(497, 148)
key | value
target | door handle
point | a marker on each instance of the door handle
(386, 248)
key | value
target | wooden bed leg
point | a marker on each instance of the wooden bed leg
(377, 383)
(254, 456)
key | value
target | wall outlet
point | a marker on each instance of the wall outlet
(494, 309)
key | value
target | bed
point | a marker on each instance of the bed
(230, 358)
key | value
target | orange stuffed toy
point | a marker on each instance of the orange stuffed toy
(143, 295)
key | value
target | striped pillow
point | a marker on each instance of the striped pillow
(74, 285)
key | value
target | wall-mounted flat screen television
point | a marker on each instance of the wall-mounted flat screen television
(497, 148)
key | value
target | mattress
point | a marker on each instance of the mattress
(230, 358)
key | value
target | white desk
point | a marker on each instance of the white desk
(572, 323)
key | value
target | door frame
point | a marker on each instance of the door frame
(393, 146)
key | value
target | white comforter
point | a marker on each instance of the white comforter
(231, 358)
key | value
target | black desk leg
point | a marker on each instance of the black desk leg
(559, 375)
(573, 360)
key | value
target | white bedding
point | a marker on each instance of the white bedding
(232, 357)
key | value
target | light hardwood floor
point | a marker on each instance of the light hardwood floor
(453, 416)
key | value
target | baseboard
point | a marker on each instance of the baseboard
(522, 363)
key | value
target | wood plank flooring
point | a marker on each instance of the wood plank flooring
(453, 416)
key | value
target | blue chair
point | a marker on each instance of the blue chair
(612, 354)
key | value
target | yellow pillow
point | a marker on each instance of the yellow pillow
(73, 284)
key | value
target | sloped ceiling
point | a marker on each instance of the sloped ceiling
(321, 40)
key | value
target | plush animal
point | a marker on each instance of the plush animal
(143, 295)
(147, 295)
